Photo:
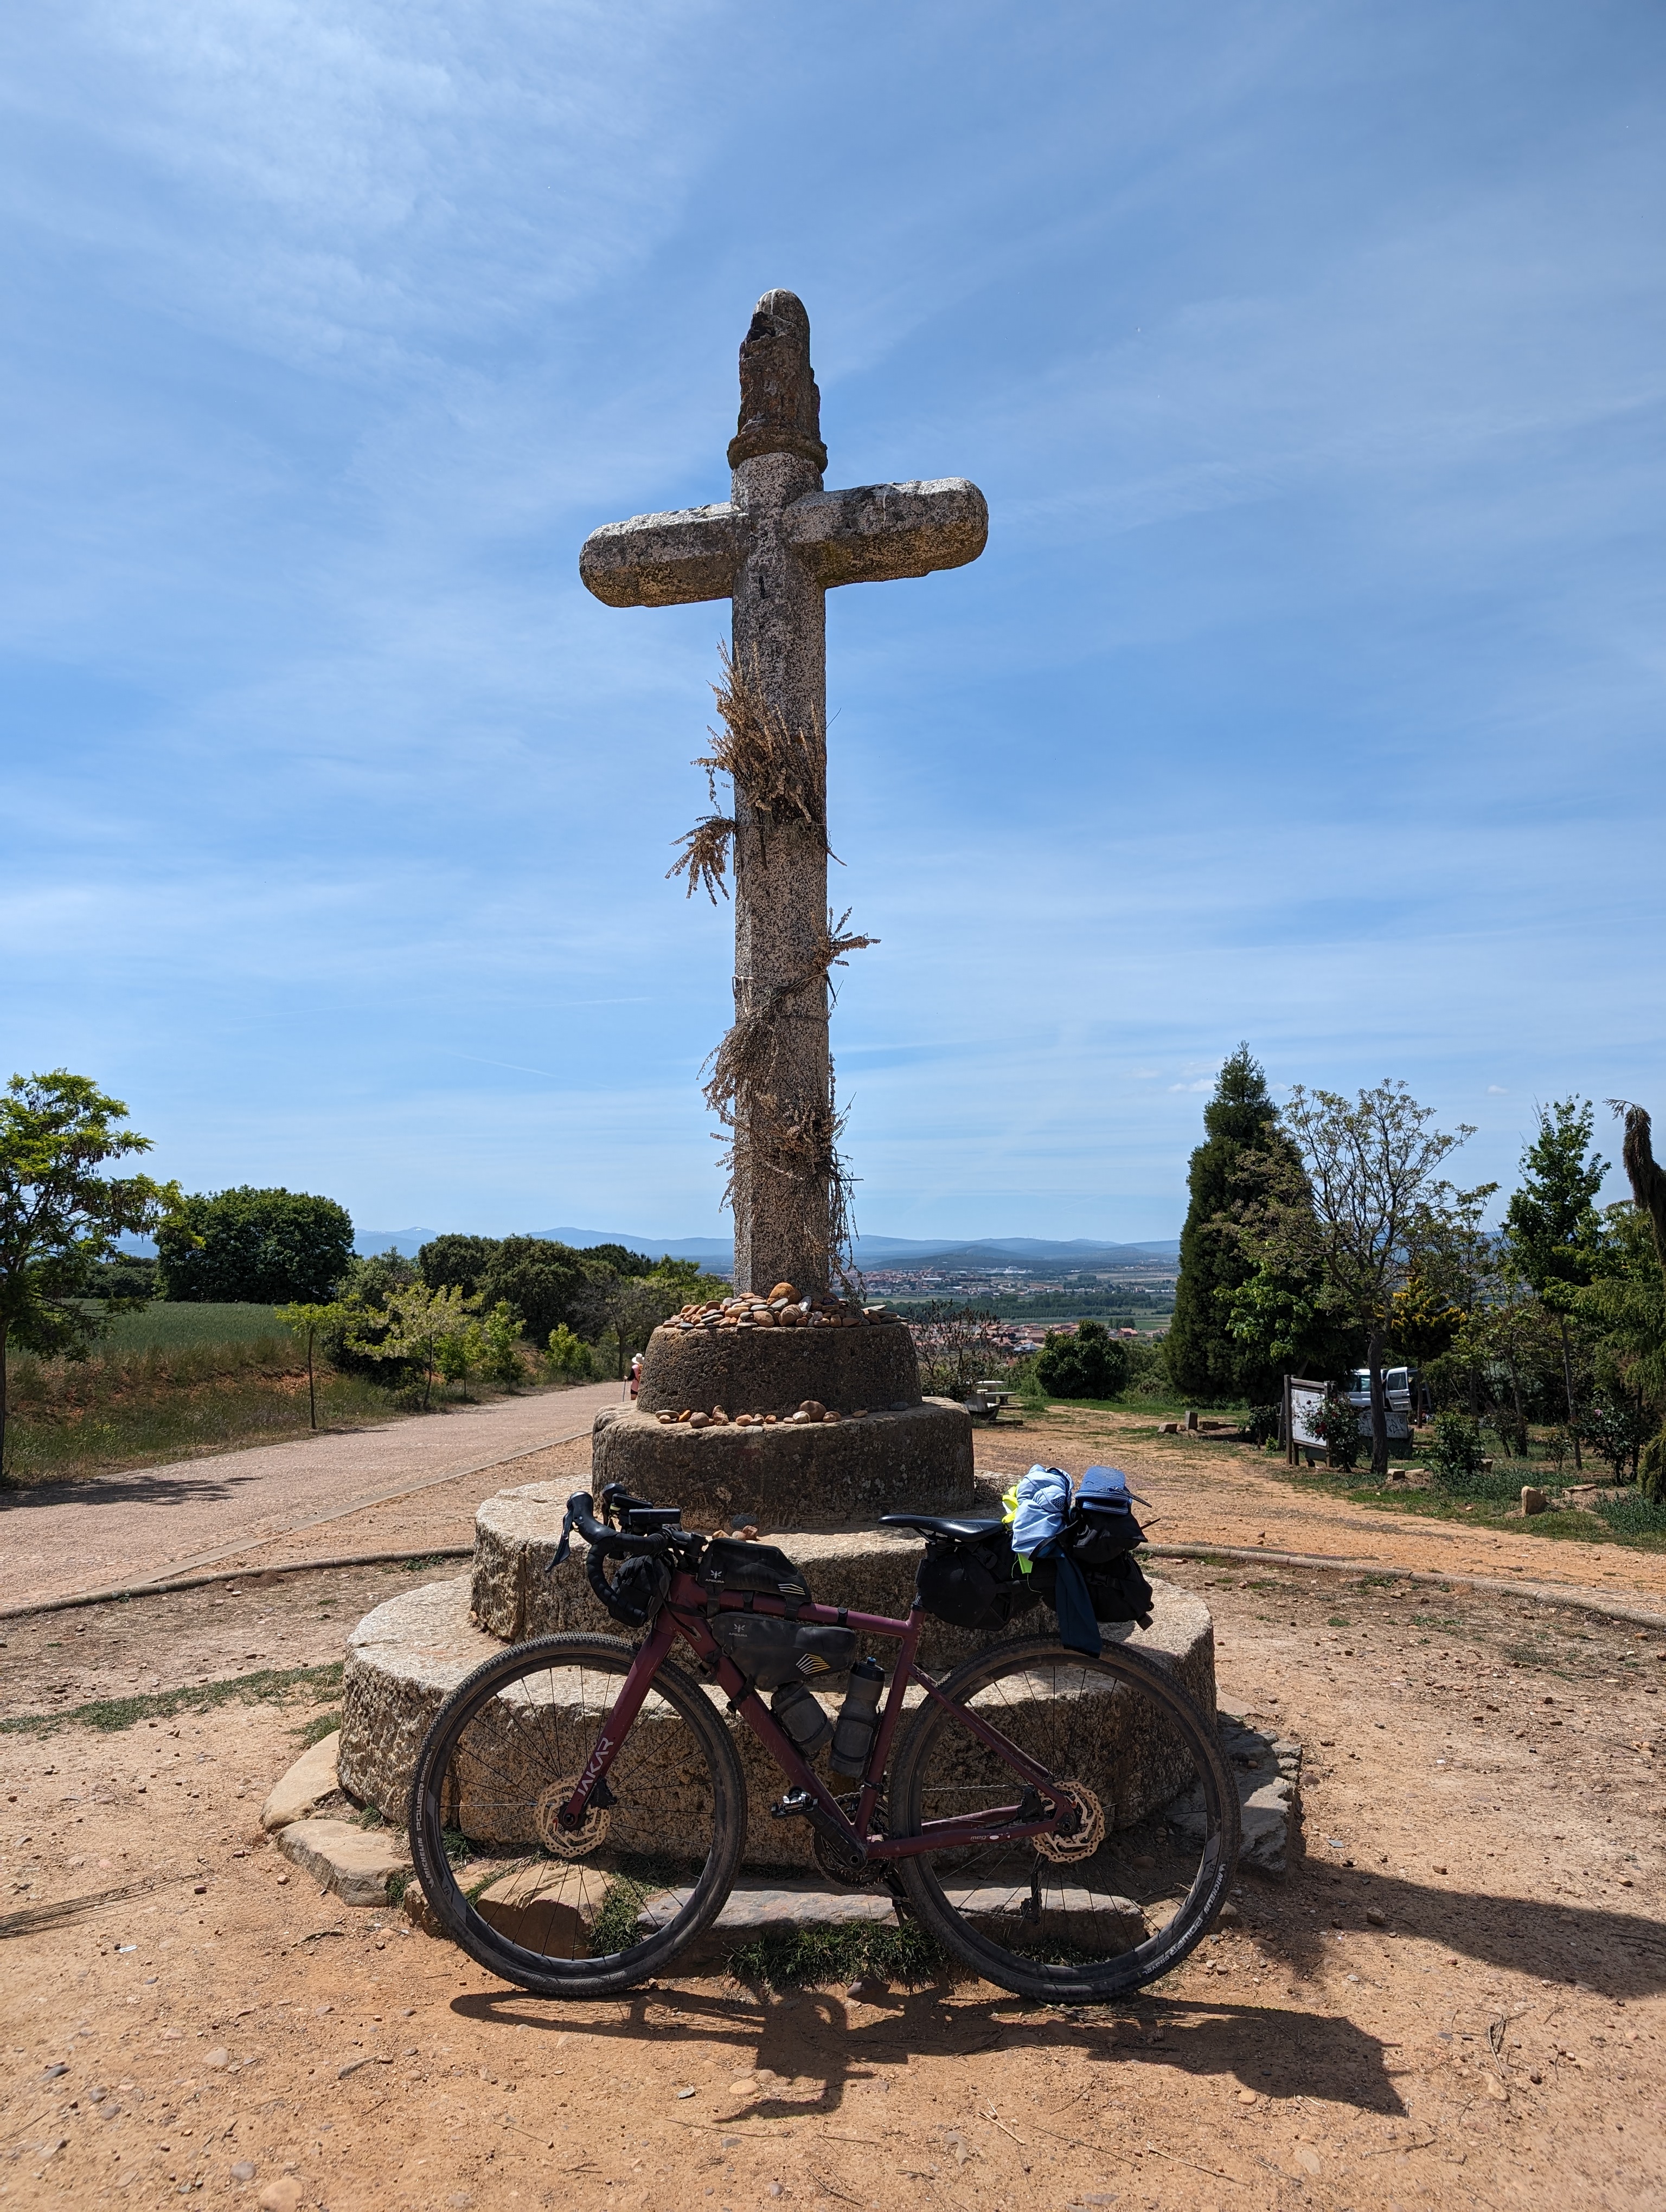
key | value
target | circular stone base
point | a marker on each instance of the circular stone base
(774, 1370)
(405, 1658)
(918, 1460)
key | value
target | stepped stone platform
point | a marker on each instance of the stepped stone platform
(815, 1487)
(406, 1656)
(890, 1449)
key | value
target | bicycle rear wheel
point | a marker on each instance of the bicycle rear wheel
(1086, 1917)
(589, 1913)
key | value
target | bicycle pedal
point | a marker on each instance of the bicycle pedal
(796, 1805)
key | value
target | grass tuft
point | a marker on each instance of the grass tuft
(314, 1730)
(901, 1953)
(111, 1715)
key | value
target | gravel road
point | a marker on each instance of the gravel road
(64, 1538)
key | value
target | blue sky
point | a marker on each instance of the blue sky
(1311, 357)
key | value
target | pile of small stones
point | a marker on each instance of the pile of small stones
(812, 1410)
(782, 1309)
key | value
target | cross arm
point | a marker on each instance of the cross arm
(663, 560)
(877, 533)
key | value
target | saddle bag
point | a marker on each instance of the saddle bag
(1100, 1542)
(974, 1582)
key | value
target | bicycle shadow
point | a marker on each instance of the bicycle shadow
(815, 2055)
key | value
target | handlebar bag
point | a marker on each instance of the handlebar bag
(728, 1562)
(973, 1583)
(769, 1652)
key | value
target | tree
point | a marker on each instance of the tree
(501, 1330)
(619, 1260)
(1091, 1364)
(305, 1323)
(957, 1345)
(1551, 1225)
(60, 1215)
(412, 1325)
(631, 1306)
(569, 1355)
(1207, 1359)
(247, 1247)
(1352, 1210)
(1624, 1305)
(367, 1280)
(546, 1282)
(458, 1263)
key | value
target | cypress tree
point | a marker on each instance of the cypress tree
(1204, 1362)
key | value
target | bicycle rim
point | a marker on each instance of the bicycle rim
(1158, 1827)
(562, 1915)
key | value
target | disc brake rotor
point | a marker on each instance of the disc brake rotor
(1085, 1838)
(567, 1843)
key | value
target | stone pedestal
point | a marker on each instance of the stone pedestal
(891, 1451)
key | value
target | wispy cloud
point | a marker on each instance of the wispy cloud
(1307, 692)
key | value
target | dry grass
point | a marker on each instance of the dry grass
(779, 772)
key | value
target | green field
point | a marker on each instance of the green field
(166, 1327)
(174, 1381)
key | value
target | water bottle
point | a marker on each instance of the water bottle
(859, 1720)
(802, 1717)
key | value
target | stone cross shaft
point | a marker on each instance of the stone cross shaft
(774, 548)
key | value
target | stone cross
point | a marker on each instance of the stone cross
(774, 548)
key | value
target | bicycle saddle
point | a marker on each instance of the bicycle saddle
(939, 1524)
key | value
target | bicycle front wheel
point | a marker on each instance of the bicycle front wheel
(587, 1913)
(1087, 1916)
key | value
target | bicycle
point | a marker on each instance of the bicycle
(578, 1810)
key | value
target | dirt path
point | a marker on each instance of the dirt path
(1455, 2000)
(1205, 1492)
(315, 1494)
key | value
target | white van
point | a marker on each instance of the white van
(1399, 1391)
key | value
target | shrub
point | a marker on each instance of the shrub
(1455, 1449)
(254, 1247)
(1261, 1424)
(1652, 1480)
(1616, 1429)
(501, 1330)
(570, 1358)
(1336, 1424)
(1090, 1365)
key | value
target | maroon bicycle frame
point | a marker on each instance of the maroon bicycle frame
(684, 1615)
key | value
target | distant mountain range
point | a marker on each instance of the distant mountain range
(871, 1251)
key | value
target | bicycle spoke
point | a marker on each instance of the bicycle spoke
(1153, 1812)
(552, 1906)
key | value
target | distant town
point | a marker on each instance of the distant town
(1134, 1300)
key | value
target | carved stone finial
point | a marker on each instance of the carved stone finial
(779, 405)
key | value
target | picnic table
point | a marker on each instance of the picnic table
(988, 1400)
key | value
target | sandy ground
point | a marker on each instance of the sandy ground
(1207, 1493)
(1455, 1999)
(310, 1496)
